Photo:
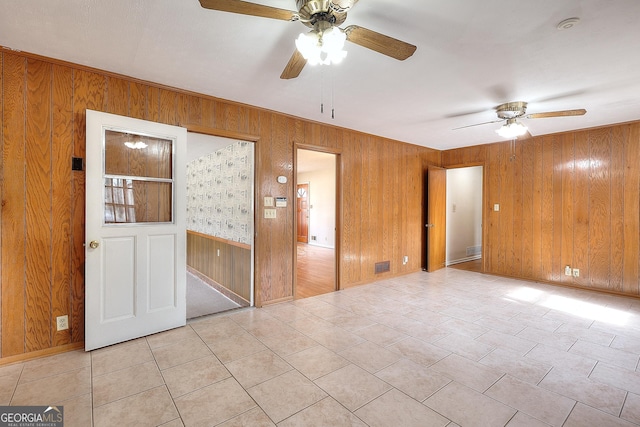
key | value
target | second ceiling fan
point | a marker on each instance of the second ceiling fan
(323, 44)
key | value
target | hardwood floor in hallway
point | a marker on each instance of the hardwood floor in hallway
(315, 271)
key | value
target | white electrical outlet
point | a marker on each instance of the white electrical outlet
(567, 270)
(62, 322)
(405, 260)
(576, 272)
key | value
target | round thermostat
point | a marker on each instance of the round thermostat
(282, 179)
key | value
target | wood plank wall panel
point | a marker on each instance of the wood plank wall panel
(231, 269)
(61, 152)
(580, 206)
(13, 205)
(38, 207)
(71, 90)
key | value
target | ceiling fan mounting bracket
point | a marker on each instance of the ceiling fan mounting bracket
(511, 110)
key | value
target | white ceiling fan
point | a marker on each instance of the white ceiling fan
(511, 112)
(323, 44)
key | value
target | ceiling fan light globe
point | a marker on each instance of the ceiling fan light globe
(512, 129)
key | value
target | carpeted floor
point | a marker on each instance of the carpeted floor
(202, 299)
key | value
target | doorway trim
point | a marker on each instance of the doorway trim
(338, 212)
(483, 202)
(206, 130)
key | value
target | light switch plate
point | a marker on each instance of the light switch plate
(269, 213)
(268, 201)
(496, 207)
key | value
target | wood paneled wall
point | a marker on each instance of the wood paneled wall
(225, 262)
(42, 212)
(565, 199)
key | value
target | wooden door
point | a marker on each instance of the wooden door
(302, 210)
(436, 198)
(135, 228)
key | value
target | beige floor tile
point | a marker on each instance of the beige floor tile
(268, 327)
(326, 412)
(173, 423)
(413, 379)
(11, 371)
(631, 409)
(191, 376)
(500, 325)
(370, 356)
(537, 402)
(479, 410)
(610, 356)
(583, 415)
(233, 348)
(399, 322)
(467, 372)
(352, 386)
(617, 377)
(562, 359)
(8, 386)
(286, 311)
(125, 382)
(419, 351)
(537, 321)
(252, 418)
(150, 408)
(120, 356)
(217, 328)
(352, 322)
(523, 420)
(180, 352)
(380, 334)
(626, 343)
(397, 409)
(257, 368)
(547, 338)
(501, 340)
(78, 411)
(54, 365)
(463, 327)
(464, 346)
(527, 370)
(334, 338)
(288, 343)
(316, 362)
(285, 395)
(171, 337)
(582, 389)
(56, 388)
(214, 404)
(586, 334)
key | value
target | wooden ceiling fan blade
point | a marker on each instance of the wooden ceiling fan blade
(252, 9)
(479, 124)
(379, 42)
(294, 66)
(563, 113)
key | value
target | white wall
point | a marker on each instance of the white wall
(322, 202)
(464, 213)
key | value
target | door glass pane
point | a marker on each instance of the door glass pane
(138, 155)
(138, 182)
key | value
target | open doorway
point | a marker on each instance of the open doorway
(315, 223)
(220, 188)
(464, 218)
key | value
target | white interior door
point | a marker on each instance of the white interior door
(135, 250)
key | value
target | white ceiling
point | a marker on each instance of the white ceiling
(472, 55)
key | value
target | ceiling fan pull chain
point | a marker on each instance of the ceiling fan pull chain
(321, 91)
(333, 115)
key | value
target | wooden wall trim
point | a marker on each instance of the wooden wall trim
(220, 239)
(24, 357)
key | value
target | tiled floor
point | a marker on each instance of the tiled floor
(441, 349)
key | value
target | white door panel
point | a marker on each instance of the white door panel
(135, 257)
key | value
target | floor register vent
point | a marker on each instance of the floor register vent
(383, 267)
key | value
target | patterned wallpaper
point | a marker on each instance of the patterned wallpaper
(219, 193)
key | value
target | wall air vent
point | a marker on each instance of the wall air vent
(383, 267)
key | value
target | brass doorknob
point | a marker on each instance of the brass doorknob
(94, 244)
